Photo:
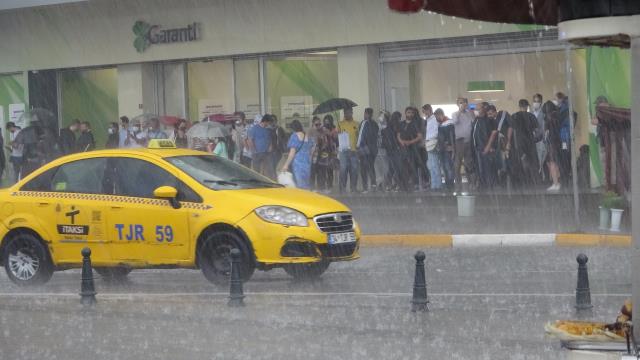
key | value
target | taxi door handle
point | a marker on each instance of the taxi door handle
(43, 203)
(116, 208)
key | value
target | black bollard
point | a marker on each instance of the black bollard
(583, 293)
(419, 301)
(87, 288)
(236, 295)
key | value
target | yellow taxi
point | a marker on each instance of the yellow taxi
(162, 207)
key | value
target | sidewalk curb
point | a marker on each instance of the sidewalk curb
(493, 240)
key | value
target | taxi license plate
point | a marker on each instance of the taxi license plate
(342, 238)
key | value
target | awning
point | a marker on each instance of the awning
(542, 12)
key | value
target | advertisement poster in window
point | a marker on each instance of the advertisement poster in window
(251, 110)
(297, 107)
(15, 114)
(208, 107)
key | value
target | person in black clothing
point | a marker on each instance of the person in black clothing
(114, 137)
(524, 155)
(483, 133)
(68, 138)
(367, 148)
(409, 136)
(86, 142)
(394, 177)
(180, 134)
(502, 143)
(279, 140)
(446, 146)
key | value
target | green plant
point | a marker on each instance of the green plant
(611, 200)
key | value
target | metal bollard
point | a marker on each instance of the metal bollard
(236, 295)
(583, 293)
(419, 301)
(87, 287)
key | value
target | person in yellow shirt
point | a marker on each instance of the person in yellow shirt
(347, 138)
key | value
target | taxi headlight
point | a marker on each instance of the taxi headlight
(282, 215)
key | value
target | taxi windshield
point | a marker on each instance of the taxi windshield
(220, 174)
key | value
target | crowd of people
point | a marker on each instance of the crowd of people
(479, 147)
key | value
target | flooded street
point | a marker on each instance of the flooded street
(486, 303)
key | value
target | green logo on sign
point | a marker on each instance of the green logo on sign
(141, 30)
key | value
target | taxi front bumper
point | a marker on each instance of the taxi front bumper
(280, 244)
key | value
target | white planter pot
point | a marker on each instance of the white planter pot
(466, 205)
(616, 216)
(604, 218)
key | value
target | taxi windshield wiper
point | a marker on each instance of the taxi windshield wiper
(220, 182)
(256, 181)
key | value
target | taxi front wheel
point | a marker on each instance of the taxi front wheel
(215, 262)
(27, 260)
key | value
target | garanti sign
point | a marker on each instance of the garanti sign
(147, 34)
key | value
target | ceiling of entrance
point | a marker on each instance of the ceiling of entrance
(16, 4)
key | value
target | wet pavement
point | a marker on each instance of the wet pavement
(485, 303)
(495, 213)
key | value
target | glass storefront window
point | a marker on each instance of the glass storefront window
(90, 95)
(247, 86)
(296, 85)
(210, 88)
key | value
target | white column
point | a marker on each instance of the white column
(635, 179)
(136, 89)
(358, 77)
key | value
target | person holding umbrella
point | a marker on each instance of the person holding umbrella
(347, 135)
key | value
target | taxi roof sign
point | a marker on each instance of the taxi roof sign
(161, 144)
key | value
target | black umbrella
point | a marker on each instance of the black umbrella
(334, 104)
(40, 117)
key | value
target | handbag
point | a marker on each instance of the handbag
(286, 178)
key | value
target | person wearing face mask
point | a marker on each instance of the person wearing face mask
(113, 138)
(136, 136)
(539, 134)
(462, 120)
(483, 134)
(68, 138)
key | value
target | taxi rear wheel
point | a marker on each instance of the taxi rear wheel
(26, 260)
(114, 274)
(214, 259)
(306, 271)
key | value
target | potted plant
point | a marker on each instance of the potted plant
(604, 210)
(616, 204)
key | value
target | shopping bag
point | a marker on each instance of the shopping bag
(286, 178)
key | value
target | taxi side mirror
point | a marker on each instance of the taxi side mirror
(168, 193)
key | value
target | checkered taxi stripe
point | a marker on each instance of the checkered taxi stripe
(114, 198)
